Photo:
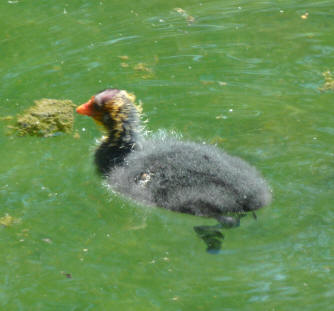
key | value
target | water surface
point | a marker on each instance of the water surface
(244, 75)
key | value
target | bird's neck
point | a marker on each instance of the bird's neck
(115, 148)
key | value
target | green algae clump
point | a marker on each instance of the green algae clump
(46, 118)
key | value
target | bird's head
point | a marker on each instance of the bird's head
(115, 110)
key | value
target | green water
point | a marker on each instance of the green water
(242, 74)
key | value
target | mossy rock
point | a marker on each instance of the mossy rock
(46, 118)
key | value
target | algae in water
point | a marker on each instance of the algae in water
(8, 220)
(329, 82)
(46, 118)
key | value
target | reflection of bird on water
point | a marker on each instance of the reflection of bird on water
(186, 177)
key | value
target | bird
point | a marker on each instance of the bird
(168, 172)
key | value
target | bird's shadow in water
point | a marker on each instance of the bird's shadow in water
(212, 235)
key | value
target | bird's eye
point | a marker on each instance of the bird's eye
(97, 106)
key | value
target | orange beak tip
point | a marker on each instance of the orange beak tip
(79, 109)
(85, 109)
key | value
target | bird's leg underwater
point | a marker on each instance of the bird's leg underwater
(230, 221)
(254, 215)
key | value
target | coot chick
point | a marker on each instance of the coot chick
(186, 177)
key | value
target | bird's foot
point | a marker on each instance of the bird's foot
(211, 236)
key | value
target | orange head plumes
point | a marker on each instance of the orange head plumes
(115, 110)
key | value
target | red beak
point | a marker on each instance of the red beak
(87, 108)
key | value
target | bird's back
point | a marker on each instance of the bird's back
(191, 178)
